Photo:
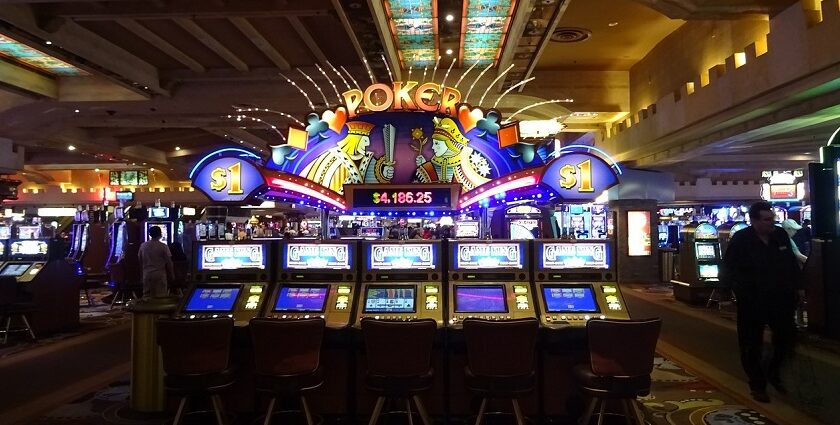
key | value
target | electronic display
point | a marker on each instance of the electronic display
(780, 192)
(705, 231)
(570, 255)
(423, 197)
(84, 241)
(480, 299)
(14, 270)
(706, 251)
(232, 257)
(125, 196)
(158, 212)
(708, 271)
(213, 298)
(302, 256)
(29, 232)
(391, 299)
(466, 229)
(2, 249)
(5, 232)
(28, 248)
(118, 242)
(473, 256)
(301, 298)
(164, 231)
(402, 256)
(570, 299)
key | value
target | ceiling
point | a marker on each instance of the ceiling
(162, 80)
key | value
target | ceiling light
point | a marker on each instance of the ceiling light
(448, 51)
(177, 148)
(96, 169)
(48, 42)
(151, 169)
(71, 148)
(450, 18)
(613, 24)
(76, 111)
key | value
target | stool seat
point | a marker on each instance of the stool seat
(289, 385)
(500, 386)
(200, 383)
(610, 387)
(399, 386)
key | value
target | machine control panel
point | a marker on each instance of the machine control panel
(401, 302)
(573, 304)
(490, 301)
(240, 301)
(331, 302)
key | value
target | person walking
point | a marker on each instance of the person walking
(762, 270)
(156, 263)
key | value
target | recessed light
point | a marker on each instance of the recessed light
(151, 169)
(613, 24)
(177, 148)
(450, 18)
(96, 169)
(76, 111)
(71, 148)
(48, 42)
(448, 51)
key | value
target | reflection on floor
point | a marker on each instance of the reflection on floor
(677, 398)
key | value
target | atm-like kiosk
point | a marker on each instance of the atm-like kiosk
(50, 281)
(401, 281)
(725, 232)
(316, 279)
(575, 281)
(489, 280)
(229, 280)
(699, 263)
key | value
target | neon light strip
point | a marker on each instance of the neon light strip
(833, 135)
(504, 187)
(296, 187)
(604, 154)
(206, 157)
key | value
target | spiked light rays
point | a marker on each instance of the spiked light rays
(387, 67)
(501, 74)
(271, 127)
(534, 105)
(467, 97)
(294, 84)
(465, 74)
(445, 76)
(434, 71)
(337, 96)
(326, 102)
(271, 111)
(350, 76)
(425, 68)
(339, 75)
(369, 71)
(512, 88)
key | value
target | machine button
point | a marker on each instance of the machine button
(306, 316)
(376, 317)
(603, 317)
(322, 316)
(547, 318)
(215, 316)
(192, 316)
(587, 317)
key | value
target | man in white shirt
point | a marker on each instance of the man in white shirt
(156, 262)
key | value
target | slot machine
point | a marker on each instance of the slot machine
(316, 279)
(118, 237)
(74, 236)
(725, 232)
(402, 281)
(26, 259)
(489, 280)
(230, 279)
(575, 281)
(699, 263)
(162, 217)
(3, 252)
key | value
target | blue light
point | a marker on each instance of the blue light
(606, 155)
(431, 213)
(243, 152)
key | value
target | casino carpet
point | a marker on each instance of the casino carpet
(677, 398)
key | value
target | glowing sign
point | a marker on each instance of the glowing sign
(228, 180)
(318, 256)
(402, 256)
(429, 97)
(28, 248)
(590, 255)
(488, 256)
(231, 257)
(638, 233)
(579, 176)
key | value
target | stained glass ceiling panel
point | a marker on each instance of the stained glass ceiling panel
(487, 23)
(414, 27)
(23, 54)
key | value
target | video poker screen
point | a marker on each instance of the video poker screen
(217, 298)
(706, 251)
(302, 298)
(480, 299)
(14, 270)
(709, 271)
(570, 299)
(390, 299)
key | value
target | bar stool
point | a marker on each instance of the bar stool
(196, 359)
(621, 360)
(13, 307)
(399, 362)
(287, 355)
(501, 360)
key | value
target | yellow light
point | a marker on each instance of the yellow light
(689, 87)
(740, 59)
(71, 148)
(177, 148)
(96, 169)
(431, 289)
(343, 289)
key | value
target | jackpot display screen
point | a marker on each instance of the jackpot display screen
(573, 255)
(390, 299)
(301, 298)
(232, 257)
(213, 298)
(28, 249)
(570, 299)
(475, 256)
(480, 299)
(303, 256)
(402, 256)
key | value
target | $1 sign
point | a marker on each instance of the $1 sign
(577, 175)
(231, 176)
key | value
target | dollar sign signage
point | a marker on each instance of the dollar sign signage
(579, 176)
(229, 179)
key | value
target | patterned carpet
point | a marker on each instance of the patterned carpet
(677, 398)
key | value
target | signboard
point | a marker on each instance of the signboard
(393, 197)
(232, 257)
(782, 191)
(125, 196)
(579, 176)
(402, 256)
(588, 255)
(302, 256)
(228, 179)
(638, 233)
(488, 256)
